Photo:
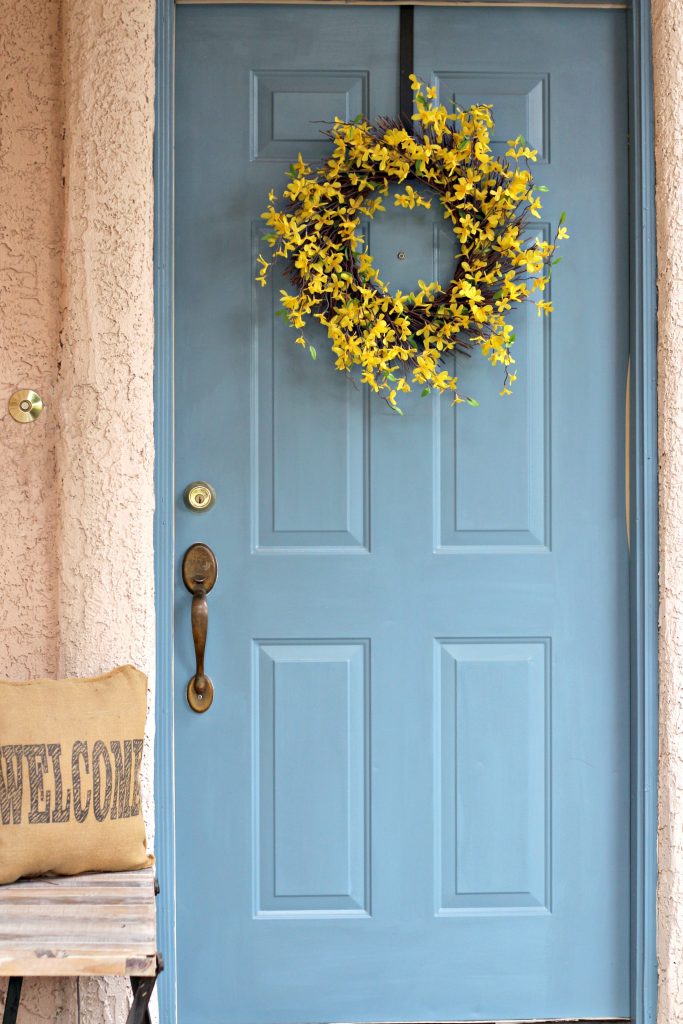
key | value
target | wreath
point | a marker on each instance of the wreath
(402, 339)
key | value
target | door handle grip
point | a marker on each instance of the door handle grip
(200, 570)
(200, 624)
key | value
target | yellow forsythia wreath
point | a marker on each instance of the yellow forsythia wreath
(400, 339)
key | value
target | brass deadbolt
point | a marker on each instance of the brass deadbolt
(25, 406)
(200, 496)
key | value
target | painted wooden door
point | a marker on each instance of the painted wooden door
(410, 798)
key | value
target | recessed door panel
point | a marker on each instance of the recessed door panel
(310, 485)
(493, 468)
(311, 762)
(494, 772)
(290, 108)
(520, 102)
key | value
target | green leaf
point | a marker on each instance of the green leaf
(314, 354)
(563, 217)
(557, 260)
(542, 188)
(281, 312)
(425, 392)
(396, 409)
(472, 401)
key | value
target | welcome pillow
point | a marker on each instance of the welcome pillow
(70, 755)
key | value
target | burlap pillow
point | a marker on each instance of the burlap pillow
(70, 753)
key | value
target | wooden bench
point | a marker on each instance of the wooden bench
(100, 924)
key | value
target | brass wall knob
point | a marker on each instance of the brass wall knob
(25, 405)
(199, 496)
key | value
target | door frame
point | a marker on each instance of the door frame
(643, 499)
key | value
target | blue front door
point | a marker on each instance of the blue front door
(409, 800)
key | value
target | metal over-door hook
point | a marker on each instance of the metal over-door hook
(200, 570)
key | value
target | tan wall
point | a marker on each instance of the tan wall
(667, 25)
(105, 446)
(31, 204)
(76, 323)
(76, 488)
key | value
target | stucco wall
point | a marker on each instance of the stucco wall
(105, 445)
(667, 25)
(30, 268)
(76, 323)
(31, 203)
(76, 490)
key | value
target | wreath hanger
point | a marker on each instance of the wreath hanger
(406, 60)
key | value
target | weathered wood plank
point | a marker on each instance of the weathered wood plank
(76, 964)
(86, 924)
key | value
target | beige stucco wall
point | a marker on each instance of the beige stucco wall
(31, 115)
(103, 415)
(31, 202)
(76, 488)
(667, 23)
(76, 323)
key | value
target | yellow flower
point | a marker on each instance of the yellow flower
(535, 208)
(410, 199)
(261, 275)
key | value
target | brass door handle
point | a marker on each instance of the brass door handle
(200, 570)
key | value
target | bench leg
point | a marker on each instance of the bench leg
(12, 1001)
(142, 993)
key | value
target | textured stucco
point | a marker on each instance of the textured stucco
(30, 240)
(76, 315)
(31, 201)
(667, 24)
(103, 403)
(105, 446)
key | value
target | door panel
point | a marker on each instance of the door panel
(313, 697)
(493, 712)
(410, 798)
